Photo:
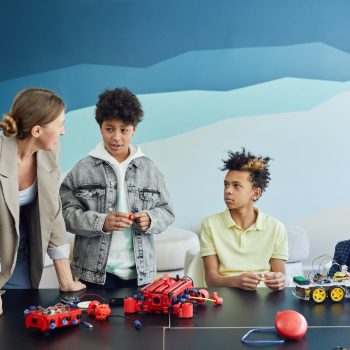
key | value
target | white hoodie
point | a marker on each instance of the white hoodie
(121, 258)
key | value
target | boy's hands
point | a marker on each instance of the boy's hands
(118, 221)
(275, 280)
(247, 281)
(142, 219)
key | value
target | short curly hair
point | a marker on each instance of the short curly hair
(246, 161)
(118, 103)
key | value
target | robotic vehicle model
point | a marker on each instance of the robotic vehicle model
(51, 317)
(169, 295)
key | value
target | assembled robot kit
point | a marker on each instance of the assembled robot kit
(49, 318)
(169, 295)
(165, 295)
(322, 286)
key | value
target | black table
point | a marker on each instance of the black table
(212, 327)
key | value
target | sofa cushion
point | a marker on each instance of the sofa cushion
(171, 247)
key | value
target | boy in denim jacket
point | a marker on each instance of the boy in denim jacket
(114, 200)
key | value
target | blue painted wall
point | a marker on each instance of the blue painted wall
(269, 75)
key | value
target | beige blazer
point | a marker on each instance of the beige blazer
(46, 227)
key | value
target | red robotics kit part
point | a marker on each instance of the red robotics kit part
(51, 317)
(100, 311)
(169, 295)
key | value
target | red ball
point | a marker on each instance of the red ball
(291, 324)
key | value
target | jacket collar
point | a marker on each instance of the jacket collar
(135, 162)
(8, 175)
(46, 163)
(8, 163)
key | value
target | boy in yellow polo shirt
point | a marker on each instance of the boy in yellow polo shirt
(243, 246)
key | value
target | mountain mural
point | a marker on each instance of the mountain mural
(174, 113)
(197, 70)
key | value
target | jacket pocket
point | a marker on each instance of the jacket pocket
(92, 197)
(149, 198)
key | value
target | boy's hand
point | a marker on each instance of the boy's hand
(248, 281)
(117, 221)
(276, 280)
(142, 219)
(0, 305)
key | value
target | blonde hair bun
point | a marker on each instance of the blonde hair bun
(9, 126)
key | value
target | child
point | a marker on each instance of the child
(242, 246)
(341, 258)
(114, 200)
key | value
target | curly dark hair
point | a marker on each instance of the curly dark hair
(118, 103)
(246, 161)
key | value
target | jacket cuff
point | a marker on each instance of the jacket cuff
(99, 222)
(61, 252)
(151, 226)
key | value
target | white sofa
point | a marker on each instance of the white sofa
(177, 252)
(171, 248)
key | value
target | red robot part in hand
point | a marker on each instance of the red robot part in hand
(100, 311)
(169, 295)
(52, 317)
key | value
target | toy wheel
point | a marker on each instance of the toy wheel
(202, 293)
(216, 298)
(318, 295)
(336, 294)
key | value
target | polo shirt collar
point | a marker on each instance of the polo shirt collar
(258, 225)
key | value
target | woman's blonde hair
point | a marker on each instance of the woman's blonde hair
(30, 107)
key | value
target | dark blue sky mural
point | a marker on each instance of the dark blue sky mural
(69, 45)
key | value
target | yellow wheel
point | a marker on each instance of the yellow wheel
(319, 295)
(336, 294)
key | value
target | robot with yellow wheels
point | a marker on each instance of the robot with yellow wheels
(319, 292)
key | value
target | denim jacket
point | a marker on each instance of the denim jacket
(89, 192)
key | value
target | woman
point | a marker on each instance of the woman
(30, 209)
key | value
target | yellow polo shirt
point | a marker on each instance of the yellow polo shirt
(241, 250)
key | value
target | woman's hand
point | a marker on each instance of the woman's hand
(73, 286)
(0, 305)
(65, 278)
